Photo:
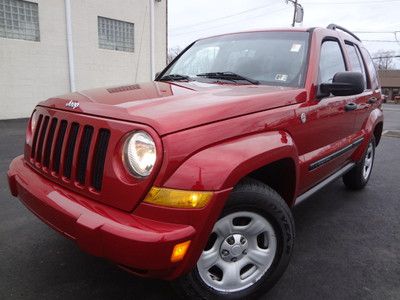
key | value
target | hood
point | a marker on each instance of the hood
(171, 107)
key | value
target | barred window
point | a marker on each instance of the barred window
(116, 35)
(19, 20)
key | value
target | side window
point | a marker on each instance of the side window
(355, 61)
(373, 76)
(331, 61)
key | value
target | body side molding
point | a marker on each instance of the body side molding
(334, 155)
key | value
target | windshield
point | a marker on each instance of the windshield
(269, 58)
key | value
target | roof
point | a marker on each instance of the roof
(278, 29)
(292, 29)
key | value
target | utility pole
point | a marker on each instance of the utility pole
(295, 13)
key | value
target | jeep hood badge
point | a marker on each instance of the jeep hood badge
(72, 104)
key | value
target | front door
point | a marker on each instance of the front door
(330, 123)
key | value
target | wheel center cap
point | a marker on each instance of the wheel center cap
(233, 248)
(236, 250)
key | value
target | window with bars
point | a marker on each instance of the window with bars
(116, 35)
(19, 20)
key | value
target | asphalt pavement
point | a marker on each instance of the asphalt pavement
(347, 245)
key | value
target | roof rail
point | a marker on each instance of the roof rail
(335, 27)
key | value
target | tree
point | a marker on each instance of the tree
(384, 59)
(173, 52)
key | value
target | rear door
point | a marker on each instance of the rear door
(365, 102)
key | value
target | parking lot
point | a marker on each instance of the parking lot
(348, 243)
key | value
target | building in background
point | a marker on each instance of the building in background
(390, 82)
(50, 47)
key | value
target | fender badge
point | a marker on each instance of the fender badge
(303, 118)
(72, 104)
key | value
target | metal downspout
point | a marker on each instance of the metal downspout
(70, 46)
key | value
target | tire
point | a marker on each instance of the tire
(254, 236)
(358, 177)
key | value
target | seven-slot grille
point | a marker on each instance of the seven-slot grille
(67, 150)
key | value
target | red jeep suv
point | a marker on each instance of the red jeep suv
(191, 177)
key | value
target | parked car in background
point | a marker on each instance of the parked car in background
(191, 178)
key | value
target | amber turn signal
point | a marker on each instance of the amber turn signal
(179, 251)
(178, 198)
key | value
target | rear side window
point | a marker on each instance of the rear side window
(331, 61)
(355, 61)
(373, 76)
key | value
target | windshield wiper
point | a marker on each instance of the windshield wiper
(175, 77)
(228, 76)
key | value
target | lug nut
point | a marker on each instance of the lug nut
(225, 252)
(234, 259)
(244, 252)
(242, 240)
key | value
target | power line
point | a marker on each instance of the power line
(391, 56)
(353, 2)
(380, 41)
(361, 31)
(395, 33)
(222, 18)
(220, 25)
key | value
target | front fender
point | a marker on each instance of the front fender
(222, 166)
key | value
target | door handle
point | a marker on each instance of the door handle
(372, 100)
(350, 106)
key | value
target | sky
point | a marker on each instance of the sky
(372, 20)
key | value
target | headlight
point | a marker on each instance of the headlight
(140, 154)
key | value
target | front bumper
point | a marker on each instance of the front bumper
(142, 245)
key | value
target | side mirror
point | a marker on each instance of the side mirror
(344, 84)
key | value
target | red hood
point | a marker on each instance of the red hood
(173, 107)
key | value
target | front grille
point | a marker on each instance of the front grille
(67, 150)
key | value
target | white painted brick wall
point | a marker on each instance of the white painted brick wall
(34, 71)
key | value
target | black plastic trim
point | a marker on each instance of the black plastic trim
(334, 155)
